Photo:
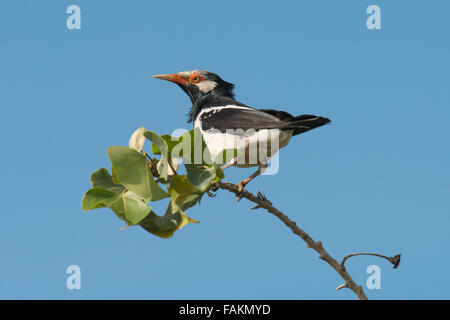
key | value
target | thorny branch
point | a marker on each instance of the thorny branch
(261, 202)
(395, 260)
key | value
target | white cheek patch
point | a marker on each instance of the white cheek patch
(206, 86)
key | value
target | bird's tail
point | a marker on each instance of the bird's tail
(306, 122)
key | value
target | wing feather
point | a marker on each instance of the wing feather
(223, 119)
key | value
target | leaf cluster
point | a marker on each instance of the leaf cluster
(138, 179)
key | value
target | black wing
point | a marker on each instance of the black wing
(282, 115)
(303, 123)
(240, 118)
(224, 119)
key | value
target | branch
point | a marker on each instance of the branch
(261, 202)
(395, 260)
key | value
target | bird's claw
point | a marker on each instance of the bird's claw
(241, 186)
(240, 193)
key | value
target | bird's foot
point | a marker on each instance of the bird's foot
(240, 193)
(214, 187)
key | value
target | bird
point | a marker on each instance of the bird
(225, 123)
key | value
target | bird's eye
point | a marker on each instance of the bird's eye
(195, 78)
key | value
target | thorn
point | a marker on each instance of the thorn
(345, 285)
(262, 197)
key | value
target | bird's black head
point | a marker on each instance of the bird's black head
(199, 85)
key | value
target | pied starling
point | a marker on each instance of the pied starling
(228, 124)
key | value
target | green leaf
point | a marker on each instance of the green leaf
(200, 175)
(187, 200)
(170, 141)
(190, 146)
(219, 174)
(94, 198)
(166, 225)
(127, 205)
(102, 179)
(164, 151)
(114, 176)
(104, 188)
(132, 170)
(183, 195)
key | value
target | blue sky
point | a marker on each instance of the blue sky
(377, 179)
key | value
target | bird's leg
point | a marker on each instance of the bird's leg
(244, 182)
(229, 164)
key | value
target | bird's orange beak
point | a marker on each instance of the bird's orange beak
(176, 78)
